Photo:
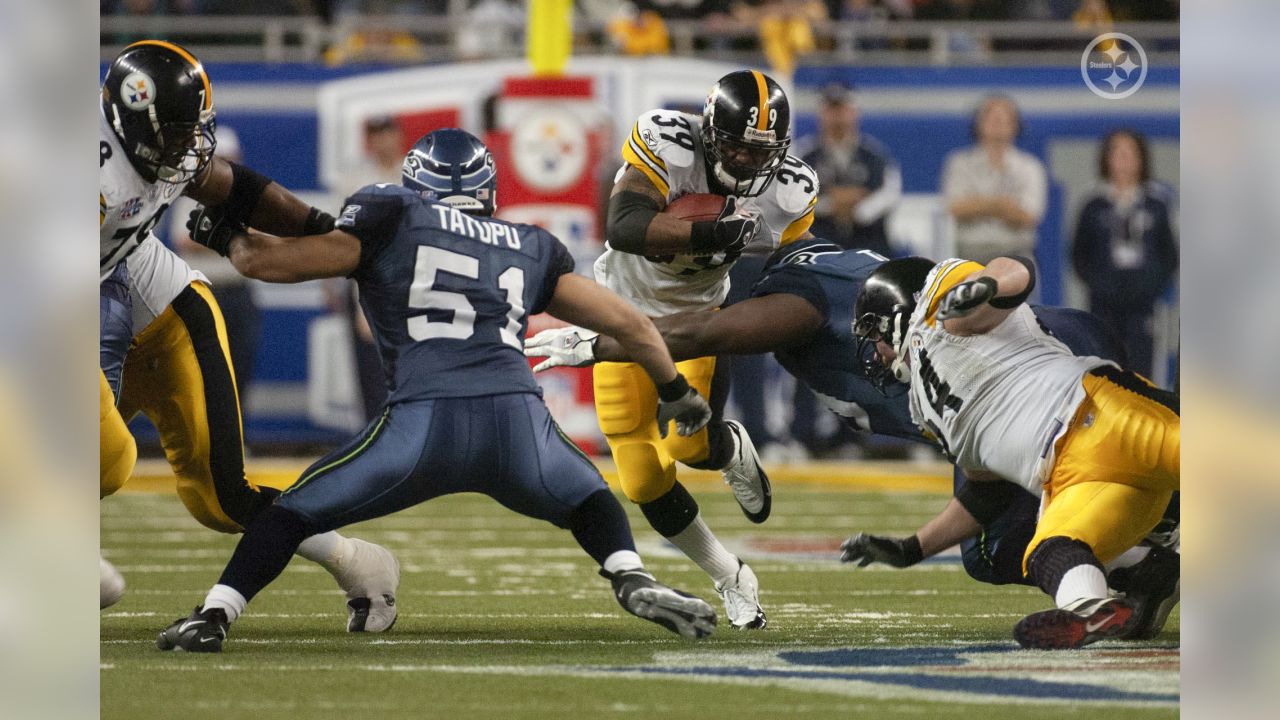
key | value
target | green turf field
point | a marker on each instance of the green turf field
(503, 617)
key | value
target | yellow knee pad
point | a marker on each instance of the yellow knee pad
(645, 470)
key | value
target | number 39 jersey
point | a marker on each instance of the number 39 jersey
(129, 208)
(448, 295)
(666, 146)
(997, 401)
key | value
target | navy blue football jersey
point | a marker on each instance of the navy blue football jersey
(448, 295)
(830, 278)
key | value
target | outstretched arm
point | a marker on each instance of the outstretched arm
(294, 259)
(582, 302)
(758, 325)
(986, 297)
(251, 199)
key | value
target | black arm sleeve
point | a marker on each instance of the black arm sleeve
(247, 186)
(630, 213)
(988, 499)
(560, 263)
(1013, 301)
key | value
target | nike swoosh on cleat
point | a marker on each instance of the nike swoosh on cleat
(1091, 626)
(207, 639)
(188, 624)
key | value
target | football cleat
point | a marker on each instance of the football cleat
(202, 632)
(1153, 587)
(681, 613)
(371, 578)
(110, 584)
(742, 600)
(746, 477)
(1081, 623)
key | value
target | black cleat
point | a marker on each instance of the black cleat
(202, 632)
(681, 613)
(1153, 587)
(1085, 622)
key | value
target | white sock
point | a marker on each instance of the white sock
(227, 598)
(327, 549)
(621, 561)
(697, 542)
(1129, 558)
(1081, 581)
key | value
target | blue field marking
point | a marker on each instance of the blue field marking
(1009, 687)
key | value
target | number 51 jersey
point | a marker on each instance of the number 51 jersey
(448, 295)
(666, 146)
(996, 401)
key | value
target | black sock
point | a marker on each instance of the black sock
(265, 549)
(600, 526)
(1053, 557)
(671, 513)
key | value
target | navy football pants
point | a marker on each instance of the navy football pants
(504, 446)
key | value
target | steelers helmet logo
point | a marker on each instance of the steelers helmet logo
(137, 91)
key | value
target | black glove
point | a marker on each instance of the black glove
(966, 297)
(865, 549)
(731, 232)
(677, 401)
(212, 228)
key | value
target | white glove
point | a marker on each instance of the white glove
(562, 347)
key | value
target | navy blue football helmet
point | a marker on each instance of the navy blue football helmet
(453, 167)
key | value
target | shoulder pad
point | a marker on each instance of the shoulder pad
(669, 135)
(795, 187)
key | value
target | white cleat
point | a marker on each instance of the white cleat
(741, 599)
(110, 584)
(370, 578)
(746, 477)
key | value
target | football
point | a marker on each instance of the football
(697, 207)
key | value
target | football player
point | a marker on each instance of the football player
(448, 291)
(737, 148)
(801, 311)
(1003, 397)
(157, 139)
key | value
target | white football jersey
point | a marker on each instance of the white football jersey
(667, 147)
(998, 401)
(129, 208)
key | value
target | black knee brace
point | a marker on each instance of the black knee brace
(1053, 557)
(671, 513)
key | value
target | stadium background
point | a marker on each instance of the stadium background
(298, 111)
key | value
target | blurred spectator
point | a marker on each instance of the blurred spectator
(380, 40)
(384, 155)
(489, 28)
(1124, 248)
(639, 31)
(996, 192)
(232, 290)
(1092, 15)
(255, 7)
(785, 29)
(961, 10)
(861, 182)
